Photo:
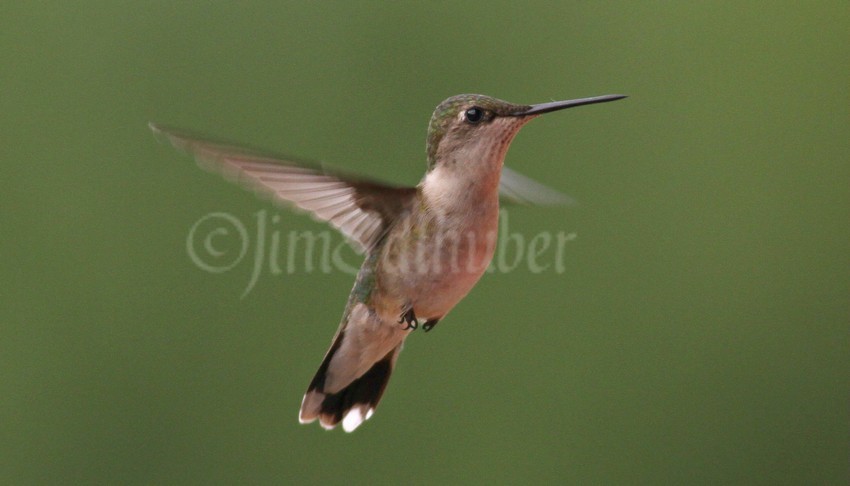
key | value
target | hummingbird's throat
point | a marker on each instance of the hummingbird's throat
(448, 187)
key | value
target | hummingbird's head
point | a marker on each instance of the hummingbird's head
(473, 128)
(471, 123)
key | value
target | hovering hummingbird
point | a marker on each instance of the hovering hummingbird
(425, 246)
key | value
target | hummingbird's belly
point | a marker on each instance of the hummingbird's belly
(435, 295)
(434, 273)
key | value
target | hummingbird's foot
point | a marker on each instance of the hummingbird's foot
(409, 318)
(430, 324)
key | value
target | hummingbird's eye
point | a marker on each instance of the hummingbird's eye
(474, 115)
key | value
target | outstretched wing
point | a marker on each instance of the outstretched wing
(518, 188)
(359, 208)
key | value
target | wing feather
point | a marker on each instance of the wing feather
(520, 189)
(360, 209)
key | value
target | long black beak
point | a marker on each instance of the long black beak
(561, 105)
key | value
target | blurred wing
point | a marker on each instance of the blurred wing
(519, 189)
(360, 209)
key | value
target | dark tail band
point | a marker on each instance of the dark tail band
(353, 404)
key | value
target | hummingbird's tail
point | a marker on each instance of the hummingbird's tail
(354, 403)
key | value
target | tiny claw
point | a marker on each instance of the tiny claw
(429, 324)
(409, 318)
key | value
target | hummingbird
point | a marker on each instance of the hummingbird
(425, 247)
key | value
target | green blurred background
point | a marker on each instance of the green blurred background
(699, 334)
